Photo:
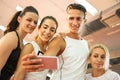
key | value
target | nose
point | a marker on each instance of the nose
(99, 59)
(75, 22)
(33, 23)
(48, 31)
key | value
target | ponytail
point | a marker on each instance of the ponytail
(13, 24)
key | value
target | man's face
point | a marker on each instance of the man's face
(75, 18)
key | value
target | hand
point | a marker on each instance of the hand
(32, 63)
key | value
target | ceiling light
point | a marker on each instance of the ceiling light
(92, 10)
(19, 8)
(38, 22)
(2, 28)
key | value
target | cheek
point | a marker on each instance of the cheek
(92, 60)
(52, 34)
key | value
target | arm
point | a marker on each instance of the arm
(7, 44)
(20, 72)
(56, 47)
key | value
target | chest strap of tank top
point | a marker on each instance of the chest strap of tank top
(18, 38)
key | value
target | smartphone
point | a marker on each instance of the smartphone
(50, 62)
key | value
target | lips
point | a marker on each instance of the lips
(99, 65)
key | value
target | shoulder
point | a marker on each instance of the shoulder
(114, 75)
(10, 36)
(28, 48)
(88, 76)
(57, 39)
(10, 39)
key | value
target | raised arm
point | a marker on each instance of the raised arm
(55, 47)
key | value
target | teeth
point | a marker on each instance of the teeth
(100, 65)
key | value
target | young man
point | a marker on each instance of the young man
(72, 50)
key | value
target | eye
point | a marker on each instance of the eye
(103, 56)
(53, 30)
(78, 19)
(95, 56)
(29, 20)
(35, 22)
(44, 27)
(71, 18)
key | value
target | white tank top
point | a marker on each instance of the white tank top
(36, 75)
(73, 61)
(108, 75)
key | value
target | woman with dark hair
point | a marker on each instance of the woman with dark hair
(22, 23)
(46, 31)
(72, 50)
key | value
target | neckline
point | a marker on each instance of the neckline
(74, 38)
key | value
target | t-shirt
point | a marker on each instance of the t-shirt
(108, 75)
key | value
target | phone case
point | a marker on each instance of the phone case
(50, 62)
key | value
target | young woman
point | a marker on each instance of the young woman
(72, 50)
(99, 59)
(11, 43)
(46, 31)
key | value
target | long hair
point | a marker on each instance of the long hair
(107, 56)
(13, 24)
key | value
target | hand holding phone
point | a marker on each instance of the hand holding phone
(50, 62)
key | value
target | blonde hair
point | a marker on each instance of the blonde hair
(107, 56)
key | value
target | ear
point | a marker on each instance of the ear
(85, 20)
(88, 59)
(19, 19)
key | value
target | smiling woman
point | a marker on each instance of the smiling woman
(46, 31)
(99, 59)
(12, 41)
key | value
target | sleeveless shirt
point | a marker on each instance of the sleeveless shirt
(10, 66)
(36, 75)
(73, 61)
(108, 75)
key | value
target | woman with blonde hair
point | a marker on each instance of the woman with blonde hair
(99, 59)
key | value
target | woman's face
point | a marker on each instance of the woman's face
(97, 58)
(47, 29)
(28, 22)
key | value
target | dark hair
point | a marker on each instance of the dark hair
(76, 6)
(48, 17)
(13, 24)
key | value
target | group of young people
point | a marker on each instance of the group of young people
(21, 62)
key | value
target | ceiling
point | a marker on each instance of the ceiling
(106, 35)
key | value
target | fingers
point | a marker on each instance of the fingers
(33, 68)
(30, 56)
(32, 63)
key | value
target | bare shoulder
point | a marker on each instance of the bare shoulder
(61, 34)
(28, 48)
(56, 46)
(10, 39)
(57, 40)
